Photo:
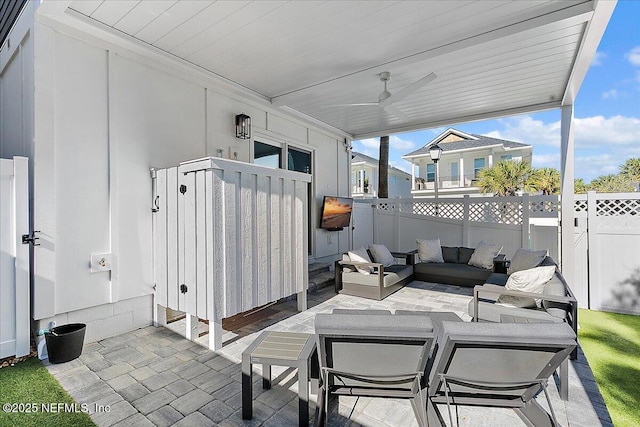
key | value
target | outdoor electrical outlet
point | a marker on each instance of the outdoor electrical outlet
(101, 262)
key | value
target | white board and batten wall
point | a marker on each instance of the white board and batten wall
(101, 117)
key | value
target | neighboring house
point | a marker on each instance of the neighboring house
(364, 178)
(463, 157)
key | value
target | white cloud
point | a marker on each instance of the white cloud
(598, 59)
(546, 161)
(633, 56)
(529, 131)
(371, 146)
(610, 94)
(589, 131)
(598, 130)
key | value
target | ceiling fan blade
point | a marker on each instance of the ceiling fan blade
(396, 112)
(361, 104)
(413, 87)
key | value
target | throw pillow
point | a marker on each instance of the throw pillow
(450, 254)
(532, 280)
(382, 255)
(464, 255)
(361, 255)
(429, 250)
(524, 260)
(484, 254)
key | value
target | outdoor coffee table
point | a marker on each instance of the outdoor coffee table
(281, 349)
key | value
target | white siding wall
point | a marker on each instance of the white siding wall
(103, 117)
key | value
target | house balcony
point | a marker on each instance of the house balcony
(446, 184)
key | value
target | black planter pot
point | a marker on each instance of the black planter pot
(64, 343)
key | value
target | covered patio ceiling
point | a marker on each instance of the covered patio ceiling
(491, 58)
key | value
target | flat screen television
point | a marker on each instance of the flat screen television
(336, 213)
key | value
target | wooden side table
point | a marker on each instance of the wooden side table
(280, 349)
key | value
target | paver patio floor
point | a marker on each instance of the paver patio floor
(154, 376)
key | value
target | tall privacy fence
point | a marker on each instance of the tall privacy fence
(515, 222)
(607, 251)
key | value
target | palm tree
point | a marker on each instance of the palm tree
(612, 184)
(631, 168)
(383, 168)
(546, 180)
(580, 187)
(505, 178)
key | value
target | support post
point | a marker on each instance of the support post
(215, 335)
(567, 191)
(461, 172)
(302, 300)
(159, 315)
(192, 327)
(413, 176)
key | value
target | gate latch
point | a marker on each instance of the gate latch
(30, 239)
(183, 289)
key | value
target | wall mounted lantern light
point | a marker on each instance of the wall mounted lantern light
(243, 126)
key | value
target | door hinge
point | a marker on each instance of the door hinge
(30, 239)
(183, 188)
(183, 289)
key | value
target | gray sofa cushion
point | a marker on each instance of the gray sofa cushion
(453, 271)
(450, 254)
(392, 275)
(464, 255)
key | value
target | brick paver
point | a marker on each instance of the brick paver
(153, 376)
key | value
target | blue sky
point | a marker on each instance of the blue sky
(606, 111)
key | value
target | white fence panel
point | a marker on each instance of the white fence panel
(362, 221)
(545, 237)
(235, 237)
(14, 258)
(613, 239)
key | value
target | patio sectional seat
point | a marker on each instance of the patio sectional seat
(454, 271)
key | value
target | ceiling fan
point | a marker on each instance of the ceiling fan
(387, 100)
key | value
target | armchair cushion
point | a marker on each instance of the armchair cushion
(532, 280)
(361, 255)
(382, 255)
(557, 288)
(524, 260)
(484, 254)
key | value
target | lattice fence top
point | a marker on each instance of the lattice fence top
(618, 207)
(580, 205)
(492, 210)
(496, 212)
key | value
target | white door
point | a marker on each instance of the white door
(14, 257)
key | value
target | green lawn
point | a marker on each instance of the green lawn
(30, 384)
(611, 343)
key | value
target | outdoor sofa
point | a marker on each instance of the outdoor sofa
(455, 270)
